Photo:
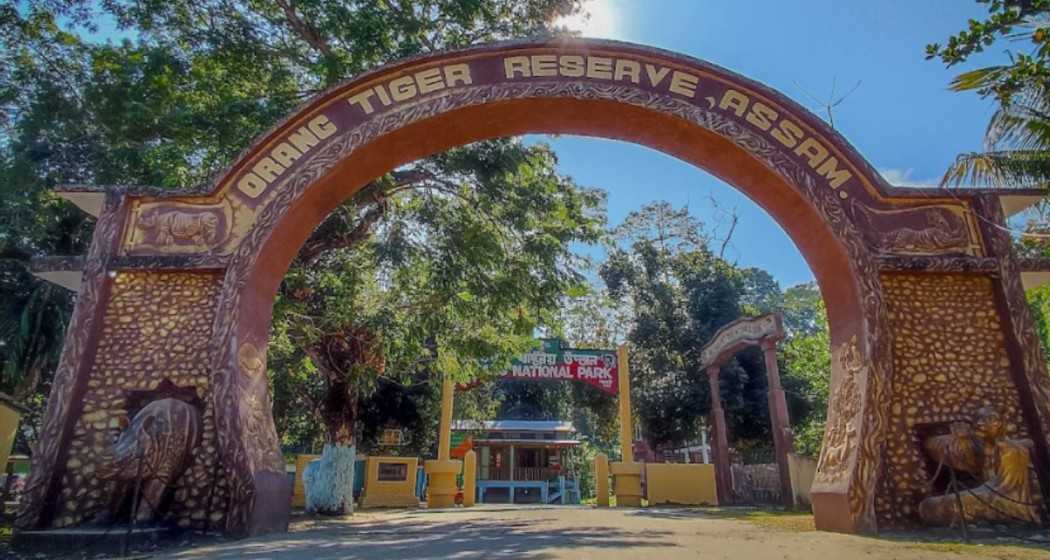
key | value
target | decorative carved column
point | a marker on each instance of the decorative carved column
(778, 414)
(720, 439)
(1027, 363)
(65, 402)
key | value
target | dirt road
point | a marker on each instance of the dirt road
(577, 532)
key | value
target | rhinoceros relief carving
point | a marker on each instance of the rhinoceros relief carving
(153, 451)
(200, 228)
(179, 228)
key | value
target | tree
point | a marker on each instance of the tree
(1039, 301)
(679, 294)
(1018, 135)
(198, 82)
(806, 358)
(1004, 19)
(803, 309)
(448, 270)
(1017, 146)
(1017, 141)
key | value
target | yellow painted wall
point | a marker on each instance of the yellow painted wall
(9, 418)
(470, 477)
(682, 484)
(601, 480)
(298, 490)
(803, 471)
(390, 493)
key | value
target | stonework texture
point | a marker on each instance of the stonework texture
(156, 332)
(949, 360)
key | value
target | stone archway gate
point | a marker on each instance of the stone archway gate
(763, 332)
(924, 294)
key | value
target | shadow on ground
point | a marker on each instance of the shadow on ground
(321, 539)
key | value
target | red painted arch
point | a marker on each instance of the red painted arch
(362, 146)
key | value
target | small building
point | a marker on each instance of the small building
(521, 461)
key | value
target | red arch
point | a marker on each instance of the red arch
(732, 148)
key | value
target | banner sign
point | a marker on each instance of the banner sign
(553, 361)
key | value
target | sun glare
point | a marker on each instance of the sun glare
(599, 18)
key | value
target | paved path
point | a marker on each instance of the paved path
(570, 532)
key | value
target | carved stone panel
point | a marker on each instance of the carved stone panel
(929, 229)
(156, 332)
(949, 359)
(840, 435)
(179, 227)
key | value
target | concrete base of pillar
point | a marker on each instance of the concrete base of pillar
(831, 512)
(627, 483)
(441, 485)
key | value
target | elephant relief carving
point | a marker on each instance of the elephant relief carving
(153, 451)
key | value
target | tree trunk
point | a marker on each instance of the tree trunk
(329, 481)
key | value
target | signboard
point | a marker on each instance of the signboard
(553, 361)
(393, 472)
(743, 331)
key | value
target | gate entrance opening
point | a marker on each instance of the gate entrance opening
(927, 315)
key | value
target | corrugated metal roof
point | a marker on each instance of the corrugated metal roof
(515, 425)
(528, 442)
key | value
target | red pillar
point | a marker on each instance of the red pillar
(720, 440)
(778, 413)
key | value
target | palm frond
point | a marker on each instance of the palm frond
(1022, 123)
(1000, 169)
(978, 79)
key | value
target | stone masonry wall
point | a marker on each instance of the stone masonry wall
(949, 359)
(156, 331)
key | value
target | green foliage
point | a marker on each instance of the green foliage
(1018, 135)
(1017, 146)
(1015, 20)
(191, 86)
(1039, 301)
(679, 294)
(806, 365)
(461, 266)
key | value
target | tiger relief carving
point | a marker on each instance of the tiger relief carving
(916, 231)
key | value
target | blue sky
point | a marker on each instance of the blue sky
(901, 118)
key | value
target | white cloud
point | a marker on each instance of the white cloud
(903, 178)
(599, 18)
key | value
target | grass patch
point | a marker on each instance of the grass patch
(1002, 552)
(796, 521)
(592, 501)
